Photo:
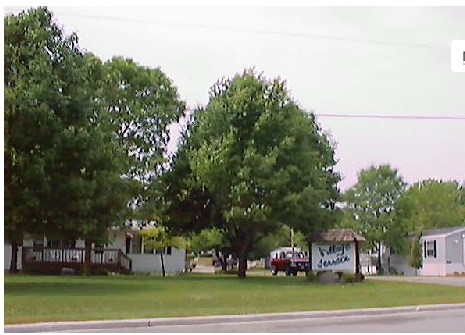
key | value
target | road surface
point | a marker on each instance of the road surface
(441, 321)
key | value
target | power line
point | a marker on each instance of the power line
(257, 31)
(393, 117)
(363, 116)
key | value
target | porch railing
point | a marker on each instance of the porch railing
(112, 258)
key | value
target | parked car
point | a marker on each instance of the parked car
(290, 262)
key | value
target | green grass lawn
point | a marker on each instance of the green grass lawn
(55, 298)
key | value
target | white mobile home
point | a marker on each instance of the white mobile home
(443, 252)
(125, 248)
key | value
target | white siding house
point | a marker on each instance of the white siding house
(146, 260)
(443, 252)
(130, 242)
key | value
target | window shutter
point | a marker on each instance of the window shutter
(424, 249)
(434, 248)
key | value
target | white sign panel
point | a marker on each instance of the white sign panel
(333, 257)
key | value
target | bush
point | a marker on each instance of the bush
(359, 277)
(312, 276)
(393, 271)
(348, 278)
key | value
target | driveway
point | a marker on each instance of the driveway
(450, 281)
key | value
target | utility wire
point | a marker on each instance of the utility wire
(362, 116)
(393, 117)
(257, 31)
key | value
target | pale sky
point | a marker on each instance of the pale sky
(336, 60)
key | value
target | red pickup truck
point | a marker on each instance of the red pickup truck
(289, 262)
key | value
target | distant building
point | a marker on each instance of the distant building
(125, 252)
(443, 252)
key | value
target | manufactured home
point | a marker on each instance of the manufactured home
(443, 252)
(125, 252)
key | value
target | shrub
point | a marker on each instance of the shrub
(359, 277)
(312, 276)
(348, 278)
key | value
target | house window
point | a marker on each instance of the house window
(430, 249)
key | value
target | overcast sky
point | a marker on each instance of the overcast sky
(336, 60)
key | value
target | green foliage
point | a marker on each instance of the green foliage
(81, 138)
(62, 163)
(142, 103)
(207, 239)
(416, 257)
(347, 278)
(253, 159)
(432, 204)
(279, 238)
(372, 204)
(312, 276)
(158, 238)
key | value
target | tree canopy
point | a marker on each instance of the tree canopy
(78, 133)
(254, 158)
(432, 204)
(371, 206)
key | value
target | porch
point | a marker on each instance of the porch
(46, 260)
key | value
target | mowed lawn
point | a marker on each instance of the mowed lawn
(60, 298)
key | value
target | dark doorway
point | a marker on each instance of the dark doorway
(128, 244)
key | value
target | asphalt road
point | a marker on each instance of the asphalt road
(441, 321)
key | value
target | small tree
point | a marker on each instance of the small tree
(158, 238)
(416, 259)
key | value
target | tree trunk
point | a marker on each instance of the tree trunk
(14, 257)
(87, 268)
(242, 265)
(380, 270)
(163, 273)
(310, 255)
(224, 262)
(243, 255)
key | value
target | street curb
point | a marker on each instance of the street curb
(200, 320)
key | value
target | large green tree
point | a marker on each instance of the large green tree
(63, 165)
(371, 205)
(255, 158)
(431, 204)
(142, 103)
